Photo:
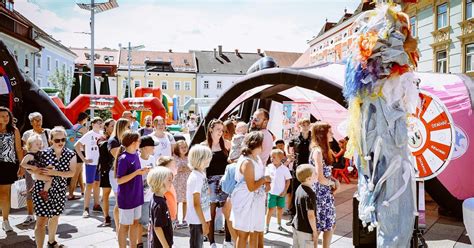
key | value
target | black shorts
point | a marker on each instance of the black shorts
(78, 159)
(9, 173)
(104, 179)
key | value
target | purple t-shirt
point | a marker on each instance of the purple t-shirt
(130, 194)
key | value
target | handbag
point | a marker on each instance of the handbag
(18, 194)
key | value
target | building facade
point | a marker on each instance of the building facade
(173, 72)
(445, 33)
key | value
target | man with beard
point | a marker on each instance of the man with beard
(259, 122)
(148, 128)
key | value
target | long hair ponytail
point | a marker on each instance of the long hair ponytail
(128, 138)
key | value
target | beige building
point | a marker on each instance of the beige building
(173, 72)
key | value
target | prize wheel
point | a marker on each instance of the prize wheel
(431, 137)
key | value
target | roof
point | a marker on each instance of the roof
(18, 18)
(228, 63)
(111, 54)
(283, 59)
(326, 27)
(180, 61)
(303, 60)
(345, 17)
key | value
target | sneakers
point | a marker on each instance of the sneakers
(281, 229)
(97, 209)
(213, 245)
(290, 222)
(220, 232)
(228, 245)
(30, 219)
(266, 230)
(85, 214)
(175, 224)
(107, 221)
(183, 225)
(6, 226)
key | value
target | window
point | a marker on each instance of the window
(441, 62)
(413, 26)
(64, 67)
(469, 9)
(470, 57)
(137, 83)
(125, 92)
(71, 70)
(219, 85)
(38, 81)
(206, 96)
(164, 85)
(177, 85)
(150, 83)
(187, 86)
(38, 61)
(57, 65)
(442, 15)
(48, 63)
(26, 60)
(206, 84)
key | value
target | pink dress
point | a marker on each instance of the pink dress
(181, 178)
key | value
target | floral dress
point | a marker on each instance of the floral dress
(55, 204)
(181, 178)
(326, 210)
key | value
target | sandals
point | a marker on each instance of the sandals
(54, 245)
(73, 198)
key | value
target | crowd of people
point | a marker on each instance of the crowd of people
(239, 169)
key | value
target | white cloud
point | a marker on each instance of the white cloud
(183, 28)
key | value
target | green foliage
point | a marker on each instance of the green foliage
(104, 114)
(62, 82)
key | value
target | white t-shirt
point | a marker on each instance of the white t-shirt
(279, 176)
(191, 125)
(89, 140)
(45, 135)
(197, 183)
(163, 145)
(150, 162)
(267, 145)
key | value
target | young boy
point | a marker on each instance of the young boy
(147, 148)
(160, 232)
(280, 176)
(88, 143)
(304, 223)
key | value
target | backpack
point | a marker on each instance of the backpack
(228, 181)
(73, 135)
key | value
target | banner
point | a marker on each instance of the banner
(292, 112)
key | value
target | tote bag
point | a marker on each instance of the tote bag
(18, 194)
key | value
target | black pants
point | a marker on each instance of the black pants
(294, 186)
(196, 240)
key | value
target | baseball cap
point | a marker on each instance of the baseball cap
(146, 141)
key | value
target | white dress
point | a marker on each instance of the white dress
(248, 208)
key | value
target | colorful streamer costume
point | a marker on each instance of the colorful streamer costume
(381, 90)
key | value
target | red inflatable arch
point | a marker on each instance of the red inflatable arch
(58, 103)
(145, 103)
(83, 102)
(148, 92)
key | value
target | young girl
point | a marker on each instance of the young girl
(197, 194)
(179, 183)
(130, 188)
(33, 147)
(160, 232)
(170, 195)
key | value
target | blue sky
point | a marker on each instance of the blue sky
(190, 25)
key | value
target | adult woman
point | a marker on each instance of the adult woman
(36, 121)
(113, 145)
(105, 163)
(80, 129)
(321, 158)
(47, 212)
(229, 130)
(248, 197)
(220, 152)
(10, 154)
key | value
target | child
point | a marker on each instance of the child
(160, 232)
(304, 223)
(197, 195)
(280, 176)
(181, 157)
(130, 188)
(170, 195)
(240, 131)
(147, 148)
(34, 144)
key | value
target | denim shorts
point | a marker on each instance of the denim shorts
(217, 195)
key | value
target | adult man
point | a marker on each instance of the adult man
(259, 122)
(36, 120)
(191, 125)
(88, 143)
(164, 141)
(148, 128)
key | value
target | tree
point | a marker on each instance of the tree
(62, 81)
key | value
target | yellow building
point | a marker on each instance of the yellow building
(174, 73)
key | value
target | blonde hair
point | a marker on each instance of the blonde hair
(164, 161)
(156, 179)
(57, 130)
(198, 154)
(277, 152)
(31, 140)
(304, 171)
(120, 127)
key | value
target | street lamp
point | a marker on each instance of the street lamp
(95, 8)
(129, 59)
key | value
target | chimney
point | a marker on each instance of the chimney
(220, 50)
(258, 51)
(170, 50)
(215, 53)
(237, 52)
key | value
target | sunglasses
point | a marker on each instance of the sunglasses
(59, 140)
